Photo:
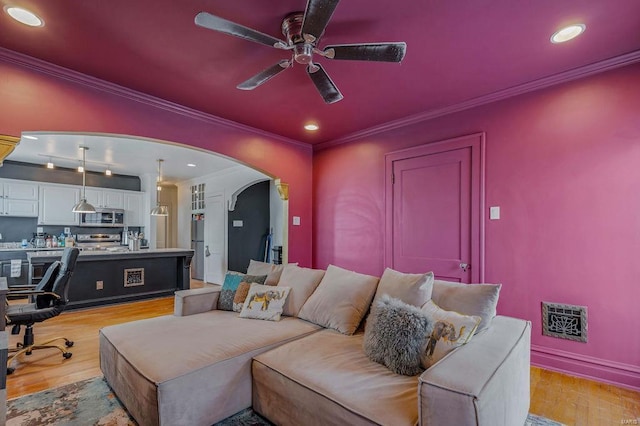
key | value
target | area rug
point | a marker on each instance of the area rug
(91, 402)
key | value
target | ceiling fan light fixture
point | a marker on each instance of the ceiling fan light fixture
(24, 16)
(568, 33)
(312, 127)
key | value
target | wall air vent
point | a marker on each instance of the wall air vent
(564, 321)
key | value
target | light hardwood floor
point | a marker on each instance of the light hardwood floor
(563, 398)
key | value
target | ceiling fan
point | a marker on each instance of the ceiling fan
(302, 31)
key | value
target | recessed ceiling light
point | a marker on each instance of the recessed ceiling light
(24, 16)
(312, 127)
(191, 165)
(33, 138)
(568, 33)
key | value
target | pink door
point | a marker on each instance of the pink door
(434, 201)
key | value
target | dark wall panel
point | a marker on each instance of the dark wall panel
(248, 242)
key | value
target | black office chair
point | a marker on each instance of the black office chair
(48, 300)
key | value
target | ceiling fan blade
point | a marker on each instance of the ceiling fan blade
(316, 18)
(212, 22)
(264, 76)
(385, 52)
(325, 86)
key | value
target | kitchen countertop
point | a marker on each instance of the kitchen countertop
(91, 255)
(18, 248)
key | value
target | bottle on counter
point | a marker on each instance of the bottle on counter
(61, 240)
(69, 241)
(49, 243)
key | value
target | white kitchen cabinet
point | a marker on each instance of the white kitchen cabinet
(134, 213)
(55, 204)
(23, 208)
(18, 190)
(18, 198)
(105, 198)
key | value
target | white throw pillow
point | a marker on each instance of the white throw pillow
(265, 302)
(450, 330)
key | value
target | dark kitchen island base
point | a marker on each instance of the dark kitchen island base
(103, 277)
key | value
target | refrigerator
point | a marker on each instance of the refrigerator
(197, 245)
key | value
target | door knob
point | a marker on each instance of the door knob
(465, 267)
(207, 253)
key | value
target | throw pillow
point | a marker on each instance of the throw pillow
(241, 296)
(450, 330)
(414, 289)
(272, 271)
(303, 281)
(468, 299)
(341, 300)
(264, 302)
(395, 335)
(231, 282)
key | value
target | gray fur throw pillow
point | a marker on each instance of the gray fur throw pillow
(396, 335)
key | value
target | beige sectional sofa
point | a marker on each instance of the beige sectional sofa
(202, 365)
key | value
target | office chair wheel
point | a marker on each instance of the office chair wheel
(67, 355)
(10, 370)
(68, 343)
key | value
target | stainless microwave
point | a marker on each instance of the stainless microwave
(106, 218)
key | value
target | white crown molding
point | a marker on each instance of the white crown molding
(563, 77)
(57, 71)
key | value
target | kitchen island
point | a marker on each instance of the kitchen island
(104, 277)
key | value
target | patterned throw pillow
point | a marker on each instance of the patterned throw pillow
(231, 282)
(450, 330)
(241, 296)
(265, 302)
(395, 335)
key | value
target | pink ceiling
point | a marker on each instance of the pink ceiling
(456, 50)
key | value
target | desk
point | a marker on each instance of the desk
(4, 348)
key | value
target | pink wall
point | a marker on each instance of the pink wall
(35, 100)
(564, 166)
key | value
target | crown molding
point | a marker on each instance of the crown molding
(553, 80)
(57, 71)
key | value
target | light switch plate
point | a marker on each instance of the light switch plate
(494, 213)
(67, 230)
(296, 220)
(238, 224)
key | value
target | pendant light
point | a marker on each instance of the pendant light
(83, 206)
(159, 210)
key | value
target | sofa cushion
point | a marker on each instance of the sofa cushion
(330, 370)
(264, 302)
(341, 300)
(396, 334)
(231, 282)
(468, 299)
(193, 370)
(414, 289)
(272, 271)
(449, 330)
(303, 281)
